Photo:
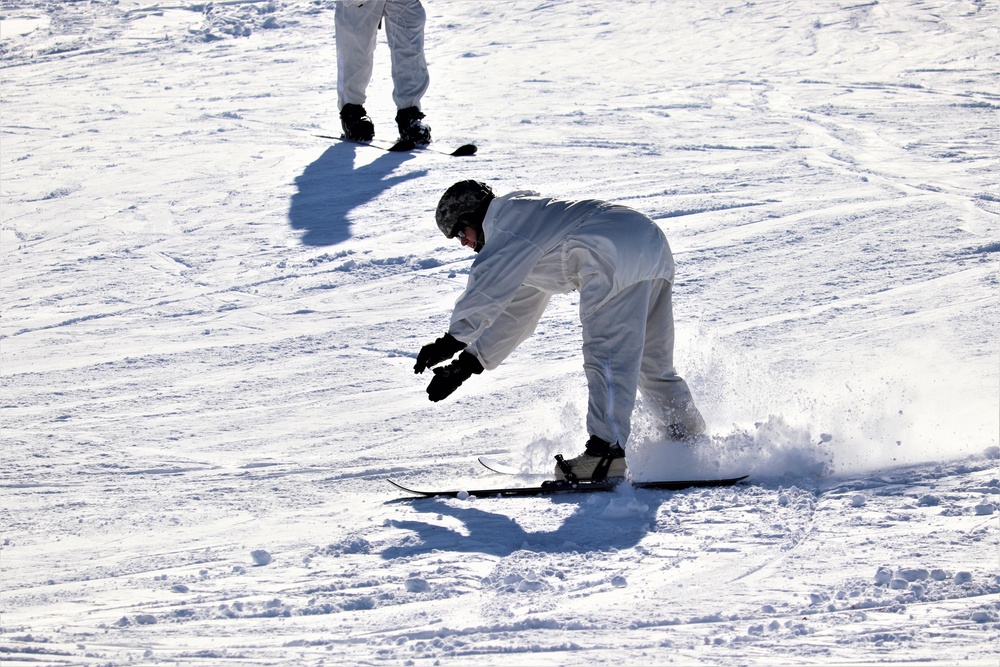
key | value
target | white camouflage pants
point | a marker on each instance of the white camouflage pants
(628, 344)
(357, 24)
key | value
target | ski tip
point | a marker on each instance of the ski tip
(419, 494)
(464, 150)
(498, 467)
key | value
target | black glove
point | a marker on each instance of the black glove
(440, 350)
(449, 378)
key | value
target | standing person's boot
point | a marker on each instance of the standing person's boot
(356, 123)
(601, 460)
(411, 128)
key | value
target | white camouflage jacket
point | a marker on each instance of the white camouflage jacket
(536, 247)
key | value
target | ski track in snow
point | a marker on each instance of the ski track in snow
(209, 317)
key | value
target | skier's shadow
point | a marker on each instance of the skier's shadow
(330, 188)
(595, 525)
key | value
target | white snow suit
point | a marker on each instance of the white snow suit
(620, 262)
(357, 24)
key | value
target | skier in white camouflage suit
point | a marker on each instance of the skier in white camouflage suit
(531, 247)
(357, 23)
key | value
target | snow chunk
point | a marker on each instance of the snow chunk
(913, 574)
(350, 545)
(984, 616)
(417, 585)
(260, 557)
(624, 507)
(528, 585)
(883, 576)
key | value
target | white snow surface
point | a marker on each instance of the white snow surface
(210, 317)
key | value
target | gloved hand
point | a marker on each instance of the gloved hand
(449, 378)
(434, 353)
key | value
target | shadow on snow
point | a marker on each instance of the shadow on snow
(330, 188)
(598, 524)
(602, 522)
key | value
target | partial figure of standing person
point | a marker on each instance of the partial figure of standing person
(357, 24)
(531, 247)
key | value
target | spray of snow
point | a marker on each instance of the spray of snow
(841, 417)
(773, 421)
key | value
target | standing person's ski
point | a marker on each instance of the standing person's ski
(405, 146)
(563, 487)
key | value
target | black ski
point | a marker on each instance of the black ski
(406, 146)
(562, 487)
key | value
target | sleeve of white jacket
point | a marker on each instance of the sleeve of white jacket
(514, 325)
(495, 278)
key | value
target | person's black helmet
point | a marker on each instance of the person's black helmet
(463, 204)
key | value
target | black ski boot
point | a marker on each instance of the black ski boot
(601, 460)
(410, 127)
(356, 123)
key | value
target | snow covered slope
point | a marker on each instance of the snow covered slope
(209, 319)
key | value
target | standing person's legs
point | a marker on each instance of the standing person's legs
(658, 379)
(612, 351)
(404, 31)
(356, 33)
